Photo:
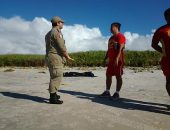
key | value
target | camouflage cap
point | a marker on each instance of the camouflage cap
(56, 19)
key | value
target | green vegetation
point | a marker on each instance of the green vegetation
(142, 58)
(90, 58)
(21, 60)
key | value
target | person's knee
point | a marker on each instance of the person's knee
(57, 72)
(119, 77)
(108, 77)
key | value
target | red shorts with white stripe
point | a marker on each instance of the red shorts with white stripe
(113, 70)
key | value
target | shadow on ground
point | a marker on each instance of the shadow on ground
(123, 103)
(24, 96)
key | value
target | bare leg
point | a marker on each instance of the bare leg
(108, 82)
(168, 85)
(168, 88)
(118, 83)
(106, 93)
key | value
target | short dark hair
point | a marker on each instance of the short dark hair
(118, 25)
(166, 13)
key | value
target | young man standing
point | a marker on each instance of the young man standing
(162, 35)
(115, 57)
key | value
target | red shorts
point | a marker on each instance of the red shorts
(165, 66)
(113, 70)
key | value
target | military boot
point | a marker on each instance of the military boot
(57, 96)
(54, 99)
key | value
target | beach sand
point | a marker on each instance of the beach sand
(24, 101)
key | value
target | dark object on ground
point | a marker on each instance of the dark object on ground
(43, 72)
(9, 70)
(77, 74)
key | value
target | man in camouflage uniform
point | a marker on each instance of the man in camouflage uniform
(56, 52)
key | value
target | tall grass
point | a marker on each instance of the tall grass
(89, 58)
(22, 60)
(142, 58)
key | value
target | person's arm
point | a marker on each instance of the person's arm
(155, 41)
(119, 54)
(156, 46)
(121, 41)
(105, 59)
(68, 58)
(106, 55)
(62, 47)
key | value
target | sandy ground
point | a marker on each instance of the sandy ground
(24, 102)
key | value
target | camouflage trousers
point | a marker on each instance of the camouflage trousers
(55, 65)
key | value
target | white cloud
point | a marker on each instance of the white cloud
(135, 41)
(82, 38)
(27, 37)
(20, 36)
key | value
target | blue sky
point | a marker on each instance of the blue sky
(137, 16)
(24, 23)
